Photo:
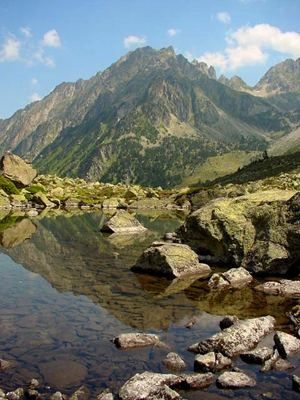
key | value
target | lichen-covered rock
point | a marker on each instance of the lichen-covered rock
(235, 380)
(133, 340)
(237, 339)
(286, 344)
(111, 203)
(16, 169)
(283, 287)
(257, 356)
(211, 362)
(173, 361)
(42, 200)
(171, 259)
(140, 386)
(123, 222)
(234, 277)
(258, 231)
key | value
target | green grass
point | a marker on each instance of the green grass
(8, 186)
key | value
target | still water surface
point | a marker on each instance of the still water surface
(67, 290)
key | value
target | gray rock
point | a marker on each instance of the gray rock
(80, 394)
(16, 169)
(234, 277)
(211, 362)
(164, 393)
(197, 381)
(235, 380)
(284, 287)
(286, 344)
(239, 338)
(296, 383)
(276, 363)
(173, 361)
(105, 395)
(4, 364)
(57, 396)
(34, 383)
(171, 259)
(257, 356)
(140, 386)
(133, 340)
(123, 222)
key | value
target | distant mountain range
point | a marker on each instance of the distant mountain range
(153, 118)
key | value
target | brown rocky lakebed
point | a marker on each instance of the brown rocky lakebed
(68, 290)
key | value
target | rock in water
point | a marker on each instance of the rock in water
(171, 259)
(123, 222)
(235, 380)
(105, 395)
(174, 362)
(284, 287)
(81, 394)
(234, 277)
(16, 169)
(140, 386)
(211, 362)
(237, 339)
(257, 356)
(286, 344)
(132, 340)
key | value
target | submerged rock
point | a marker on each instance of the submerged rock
(80, 394)
(237, 339)
(171, 259)
(234, 277)
(173, 361)
(16, 169)
(133, 340)
(123, 222)
(286, 344)
(283, 287)
(197, 381)
(235, 380)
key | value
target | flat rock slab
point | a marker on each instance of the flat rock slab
(17, 170)
(197, 381)
(286, 344)
(235, 380)
(234, 277)
(284, 287)
(239, 338)
(173, 361)
(133, 340)
(211, 362)
(123, 222)
(257, 356)
(172, 260)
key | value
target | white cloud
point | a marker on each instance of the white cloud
(51, 39)
(40, 57)
(34, 97)
(224, 17)
(173, 32)
(26, 31)
(133, 40)
(34, 81)
(250, 45)
(10, 50)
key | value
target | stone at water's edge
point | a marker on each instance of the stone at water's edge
(237, 339)
(284, 287)
(259, 231)
(17, 170)
(173, 361)
(123, 222)
(105, 395)
(171, 259)
(211, 362)
(257, 356)
(234, 277)
(286, 344)
(133, 340)
(235, 380)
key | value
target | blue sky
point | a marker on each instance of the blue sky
(43, 43)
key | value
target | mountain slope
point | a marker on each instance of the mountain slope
(150, 118)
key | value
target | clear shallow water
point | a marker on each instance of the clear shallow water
(68, 290)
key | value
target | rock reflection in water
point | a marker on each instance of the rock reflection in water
(78, 292)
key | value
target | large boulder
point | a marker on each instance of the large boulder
(172, 260)
(258, 231)
(17, 170)
(123, 222)
(238, 338)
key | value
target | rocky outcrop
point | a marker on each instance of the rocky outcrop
(234, 277)
(17, 170)
(283, 287)
(123, 222)
(259, 231)
(133, 340)
(171, 259)
(237, 339)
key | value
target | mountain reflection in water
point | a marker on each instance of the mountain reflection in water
(73, 291)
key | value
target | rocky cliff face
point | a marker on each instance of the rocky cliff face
(150, 119)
